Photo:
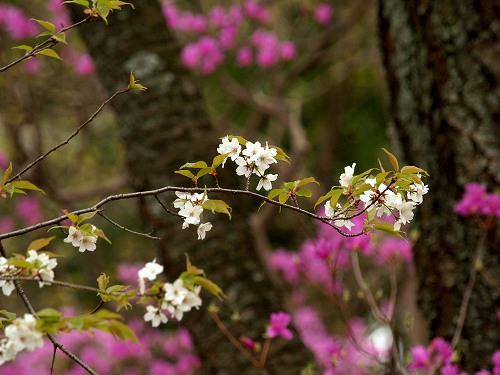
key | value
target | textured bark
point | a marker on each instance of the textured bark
(162, 129)
(441, 60)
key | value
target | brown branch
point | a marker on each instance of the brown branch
(126, 229)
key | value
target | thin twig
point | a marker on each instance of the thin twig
(74, 134)
(233, 340)
(126, 229)
(468, 291)
(44, 45)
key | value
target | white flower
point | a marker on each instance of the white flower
(175, 293)
(265, 181)
(371, 181)
(43, 264)
(8, 351)
(191, 213)
(253, 150)
(6, 270)
(406, 212)
(417, 191)
(346, 177)
(75, 236)
(245, 167)
(184, 302)
(344, 223)
(231, 147)
(329, 210)
(88, 243)
(155, 316)
(149, 271)
(23, 333)
(265, 157)
(203, 229)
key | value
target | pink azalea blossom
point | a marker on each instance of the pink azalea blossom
(279, 325)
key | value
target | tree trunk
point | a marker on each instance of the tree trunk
(163, 128)
(441, 60)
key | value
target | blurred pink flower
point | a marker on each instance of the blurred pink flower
(323, 14)
(28, 210)
(279, 325)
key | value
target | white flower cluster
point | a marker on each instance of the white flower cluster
(21, 335)
(7, 271)
(177, 298)
(84, 241)
(383, 199)
(254, 159)
(42, 268)
(190, 208)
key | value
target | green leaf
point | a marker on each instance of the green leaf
(46, 25)
(99, 233)
(283, 197)
(24, 47)
(388, 228)
(186, 173)
(60, 37)
(216, 205)
(392, 159)
(335, 192)
(307, 181)
(19, 263)
(102, 281)
(40, 243)
(121, 331)
(49, 314)
(72, 217)
(84, 3)
(134, 85)
(210, 287)
(117, 288)
(204, 171)
(6, 174)
(49, 53)
(23, 184)
(86, 216)
(304, 193)
(412, 169)
(199, 165)
(8, 314)
(275, 192)
(218, 160)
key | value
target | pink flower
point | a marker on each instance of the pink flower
(284, 261)
(421, 358)
(244, 56)
(288, 51)
(84, 65)
(476, 200)
(6, 224)
(442, 350)
(323, 14)
(394, 249)
(278, 325)
(16, 22)
(249, 343)
(28, 210)
(496, 362)
(256, 11)
(3, 160)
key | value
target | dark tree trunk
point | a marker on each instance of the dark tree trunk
(163, 128)
(441, 59)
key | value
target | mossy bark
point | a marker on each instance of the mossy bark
(441, 60)
(163, 128)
